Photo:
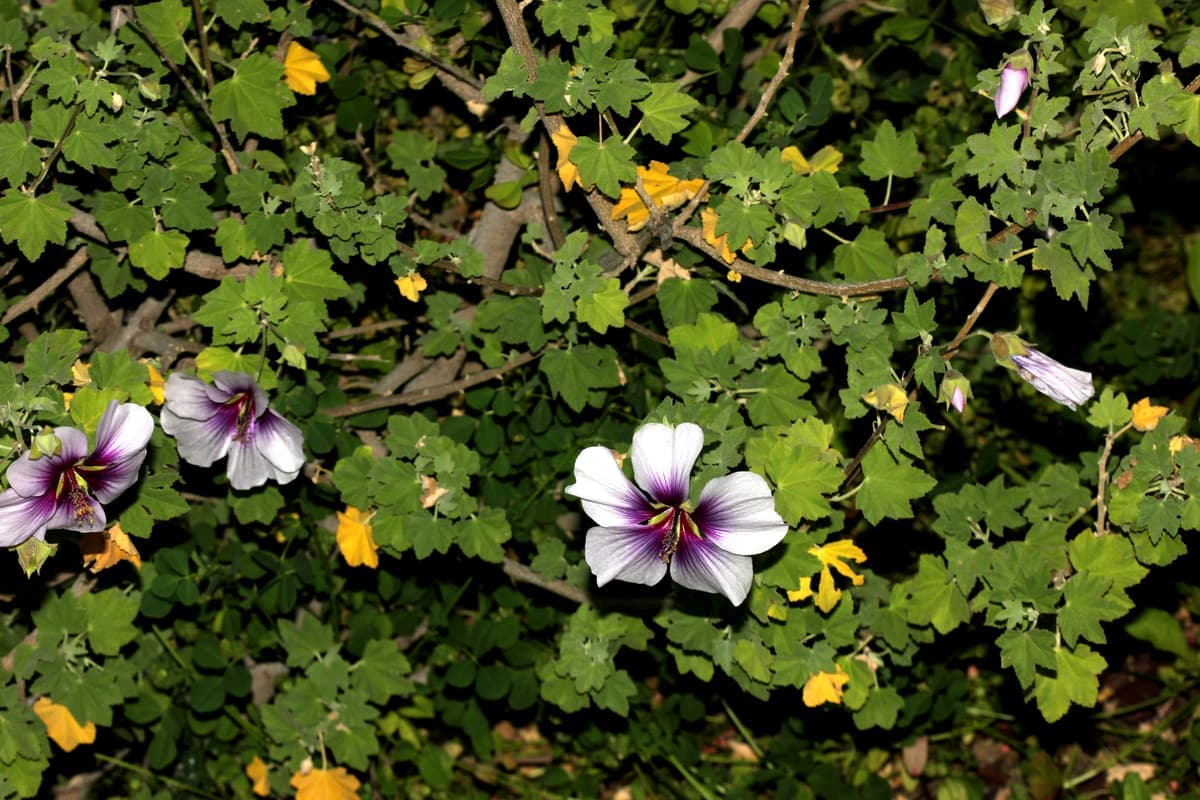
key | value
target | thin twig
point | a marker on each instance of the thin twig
(227, 151)
(695, 238)
(203, 33)
(431, 393)
(1102, 483)
(789, 53)
(74, 263)
(12, 90)
(519, 572)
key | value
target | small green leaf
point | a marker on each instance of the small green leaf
(605, 165)
(891, 154)
(159, 252)
(253, 98)
(32, 222)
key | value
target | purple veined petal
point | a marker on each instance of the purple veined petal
(701, 565)
(609, 498)
(737, 514)
(31, 477)
(1062, 384)
(123, 433)
(246, 467)
(200, 441)
(108, 482)
(625, 554)
(23, 518)
(191, 398)
(663, 458)
(281, 443)
(234, 383)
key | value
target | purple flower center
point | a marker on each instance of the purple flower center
(676, 529)
(73, 483)
(243, 405)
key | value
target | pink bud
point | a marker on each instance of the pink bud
(958, 400)
(1013, 83)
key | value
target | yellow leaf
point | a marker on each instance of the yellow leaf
(734, 276)
(256, 771)
(564, 142)
(663, 189)
(81, 373)
(832, 557)
(155, 382)
(1146, 416)
(708, 224)
(325, 784)
(825, 687)
(102, 550)
(303, 69)
(826, 159)
(890, 398)
(354, 538)
(61, 725)
(1177, 443)
(411, 285)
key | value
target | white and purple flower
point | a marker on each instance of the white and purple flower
(642, 532)
(65, 490)
(231, 417)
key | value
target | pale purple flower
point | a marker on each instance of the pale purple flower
(958, 400)
(64, 490)
(644, 531)
(1013, 82)
(231, 417)
(1062, 384)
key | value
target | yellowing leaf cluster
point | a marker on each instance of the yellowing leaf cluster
(355, 540)
(890, 398)
(832, 557)
(825, 687)
(663, 189)
(826, 159)
(1146, 416)
(61, 725)
(564, 142)
(257, 771)
(108, 548)
(411, 286)
(303, 70)
(708, 225)
(325, 784)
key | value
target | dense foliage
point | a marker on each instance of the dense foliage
(312, 311)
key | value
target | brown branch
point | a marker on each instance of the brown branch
(461, 83)
(433, 392)
(136, 323)
(789, 54)
(89, 304)
(213, 267)
(227, 151)
(519, 572)
(203, 34)
(695, 238)
(653, 336)
(47, 288)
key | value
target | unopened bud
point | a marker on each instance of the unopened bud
(997, 12)
(955, 390)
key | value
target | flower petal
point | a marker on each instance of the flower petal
(609, 498)
(625, 554)
(1012, 84)
(663, 458)
(234, 383)
(737, 514)
(280, 443)
(123, 433)
(1062, 384)
(272, 450)
(22, 518)
(701, 565)
(191, 398)
(108, 483)
(200, 441)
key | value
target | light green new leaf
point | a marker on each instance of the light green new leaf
(87, 144)
(603, 309)
(159, 252)
(663, 111)
(32, 222)
(308, 274)
(802, 480)
(891, 154)
(971, 226)
(1110, 411)
(1109, 557)
(1075, 682)
(253, 99)
(888, 487)
(1090, 239)
(605, 165)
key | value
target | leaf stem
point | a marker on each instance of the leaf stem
(145, 773)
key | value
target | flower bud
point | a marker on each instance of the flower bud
(955, 390)
(1062, 384)
(1014, 80)
(997, 12)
